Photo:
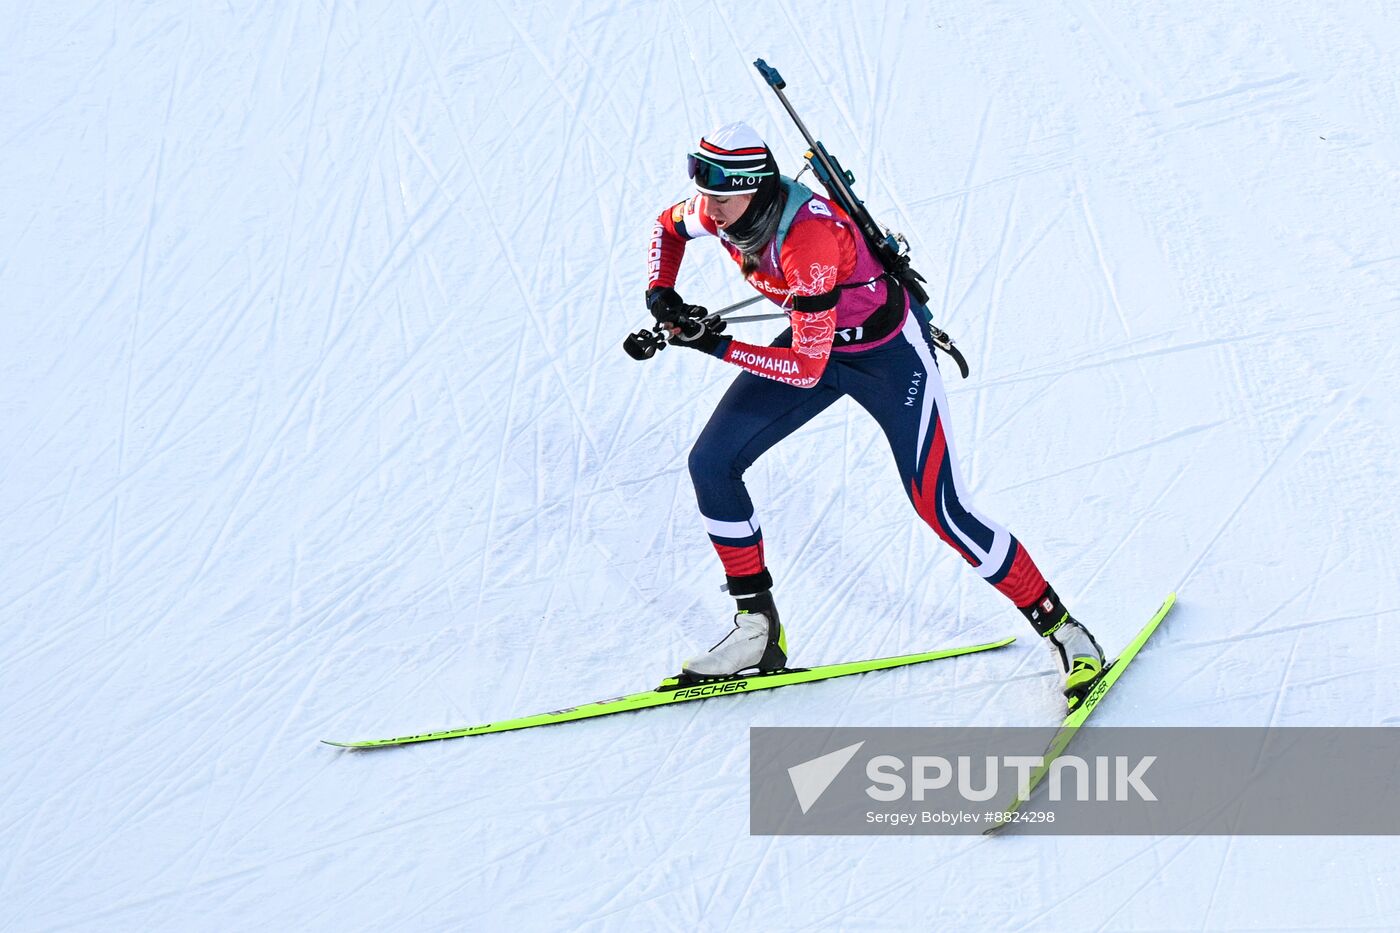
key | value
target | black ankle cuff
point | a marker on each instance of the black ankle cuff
(1046, 613)
(751, 584)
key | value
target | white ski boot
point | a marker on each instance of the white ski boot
(1079, 656)
(756, 642)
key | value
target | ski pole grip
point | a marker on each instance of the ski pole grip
(770, 74)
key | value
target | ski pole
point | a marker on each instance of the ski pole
(723, 313)
(643, 344)
(756, 317)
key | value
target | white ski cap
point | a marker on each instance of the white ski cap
(731, 160)
(733, 137)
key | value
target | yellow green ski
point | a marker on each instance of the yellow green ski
(1076, 719)
(672, 691)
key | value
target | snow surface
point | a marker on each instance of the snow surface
(316, 425)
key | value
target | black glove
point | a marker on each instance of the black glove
(669, 308)
(705, 336)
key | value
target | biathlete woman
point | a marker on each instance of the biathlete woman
(854, 332)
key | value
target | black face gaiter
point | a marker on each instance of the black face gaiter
(752, 231)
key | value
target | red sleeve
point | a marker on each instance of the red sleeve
(811, 262)
(675, 225)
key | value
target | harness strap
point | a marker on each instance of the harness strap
(814, 304)
(882, 323)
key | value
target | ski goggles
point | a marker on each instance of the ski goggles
(716, 177)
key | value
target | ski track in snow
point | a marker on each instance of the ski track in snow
(318, 427)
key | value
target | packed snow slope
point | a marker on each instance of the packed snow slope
(316, 425)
